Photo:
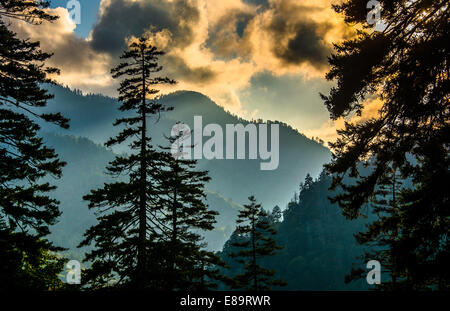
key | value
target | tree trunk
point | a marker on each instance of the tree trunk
(143, 177)
(255, 276)
(174, 238)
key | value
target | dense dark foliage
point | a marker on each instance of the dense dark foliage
(407, 67)
(389, 173)
(26, 209)
(187, 264)
(123, 236)
(253, 241)
(144, 238)
(318, 242)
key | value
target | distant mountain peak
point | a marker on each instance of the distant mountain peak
(189, 94)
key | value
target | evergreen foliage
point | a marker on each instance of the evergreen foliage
(318, 243)
(128, 223)
(406, 67)
(26, 209)
(145, 236)
(254, 226)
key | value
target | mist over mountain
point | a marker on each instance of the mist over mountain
(233, 179)
(318, 242)
(85, 170)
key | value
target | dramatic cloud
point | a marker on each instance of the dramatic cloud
(305, 42)
(81, 66)
(229, 50)
(327, 131)
(228, 38)
(297, 38)
(176, 67)
(261, 3)
(120, 19)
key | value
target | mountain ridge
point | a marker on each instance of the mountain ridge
(92, 117)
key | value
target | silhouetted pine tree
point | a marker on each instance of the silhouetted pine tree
(129, 223)
(277, 214)
(253, 224)
(26, 210)
(407, 67)
(382, 235)
(189, 266)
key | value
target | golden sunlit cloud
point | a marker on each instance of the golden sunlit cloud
(327, 131)
(81, 67)
(213, 47)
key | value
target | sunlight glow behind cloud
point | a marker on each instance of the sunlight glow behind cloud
(217, 48)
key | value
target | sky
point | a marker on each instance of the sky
(260, 59)
(88, 14)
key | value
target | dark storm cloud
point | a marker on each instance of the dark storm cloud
(262, 3)
(296, 38)
(122, 19)
(226, 36)
(82, 58)
(176, 67)
(242, 22)
(305, 43)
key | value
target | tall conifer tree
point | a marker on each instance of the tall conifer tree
(382, 235)
(190, 266)
(253, 224)
(406, 66)
(128, 222)
(26, 209)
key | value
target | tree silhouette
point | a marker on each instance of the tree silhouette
(26, 210)
(30, 11)
(406, 67)
(382, 235)
(254, 226)
(189, 266)
(277, 214)
(129, 221)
